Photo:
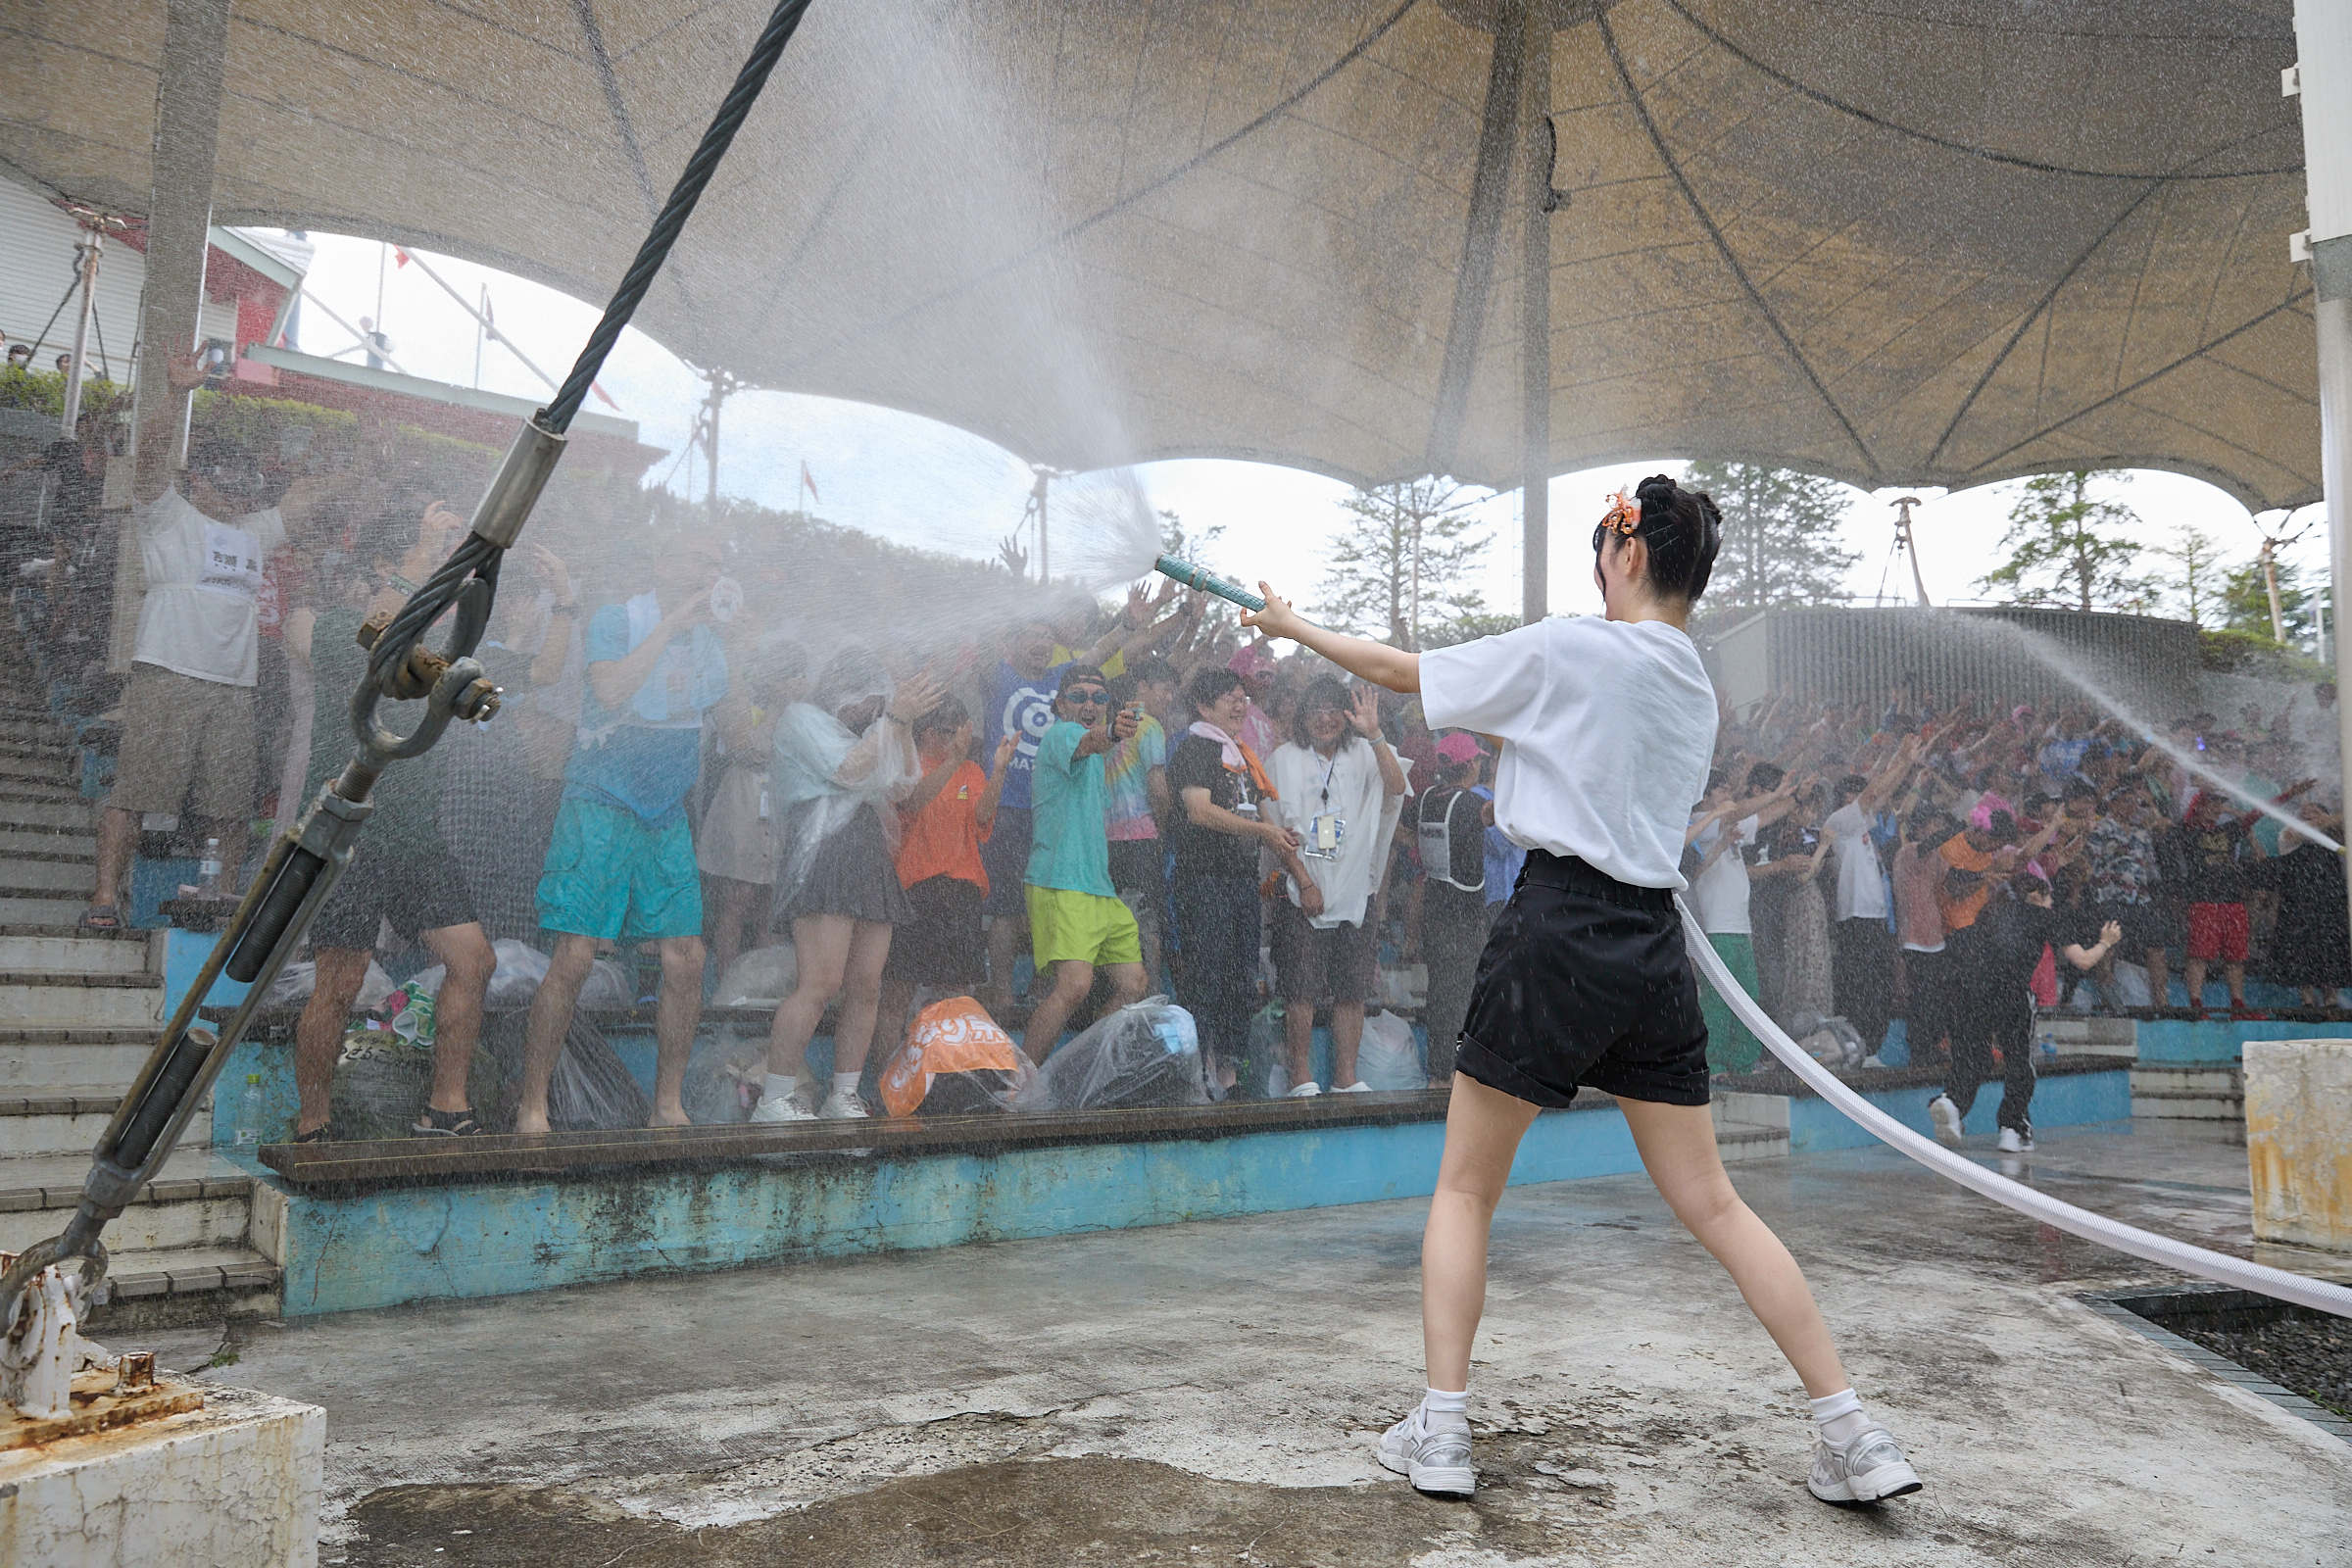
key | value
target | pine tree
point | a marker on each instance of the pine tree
(2068, 550)
(1780, 534)
(2245, 600)
(2198, 583)
(1400, 565)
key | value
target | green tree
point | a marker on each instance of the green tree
(2068, 548)
(2245, 600)
(1780, 534)
(1466, 628)
(1403, 563)
(1175, 540)
(2195, 582)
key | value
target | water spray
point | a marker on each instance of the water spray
(1209, 582)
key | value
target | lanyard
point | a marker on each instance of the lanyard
(1328, 768)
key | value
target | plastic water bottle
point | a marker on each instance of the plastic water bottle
(208, 868)
(249, 1112)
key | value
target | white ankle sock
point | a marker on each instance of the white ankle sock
(1839, 1417)
(845, 1083)
(778, 1086)
(1438, 1407)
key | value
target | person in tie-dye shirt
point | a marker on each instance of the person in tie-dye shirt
(1135, 777)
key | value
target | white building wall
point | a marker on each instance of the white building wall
(36, 264)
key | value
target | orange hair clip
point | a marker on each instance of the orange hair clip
(1624, 515)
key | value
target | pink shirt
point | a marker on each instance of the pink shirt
(1918, 915)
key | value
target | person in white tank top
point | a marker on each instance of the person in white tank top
(1607, 725)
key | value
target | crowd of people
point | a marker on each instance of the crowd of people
(1057, 808)
(1958, 865)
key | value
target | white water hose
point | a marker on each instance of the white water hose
(2274, 1281)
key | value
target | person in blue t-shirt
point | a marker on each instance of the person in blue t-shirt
(621, 865)
(1020, 705)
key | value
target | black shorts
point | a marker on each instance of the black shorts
(1584, 981)
(943, 945)
(2147, 927)
(416, 891)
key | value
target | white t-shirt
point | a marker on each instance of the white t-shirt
(1356, 796)
(198, 617)
(1720, 896)
(1610, 727)
(1861, 881)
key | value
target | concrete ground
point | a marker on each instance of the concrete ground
(1208, 1393)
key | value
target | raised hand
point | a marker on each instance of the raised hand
(1005, 749)
(917, 695)
(1363, 712)
(1278, 619)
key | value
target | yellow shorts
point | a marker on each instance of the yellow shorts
(1067, 926)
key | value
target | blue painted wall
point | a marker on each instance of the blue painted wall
(2223, 1039)
(421, 1243)
(2065, 1102)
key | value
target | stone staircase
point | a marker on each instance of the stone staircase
(79, 1013)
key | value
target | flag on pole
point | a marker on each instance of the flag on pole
(400, 258)
(809, 483)
(598, 387)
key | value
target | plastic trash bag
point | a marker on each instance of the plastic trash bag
(1390, 1056)
(607, 990)
(724, 1076)
(1146, 1054)
(1265, 1060)
(1832, 1042)
(382, 1082)
(516, 981)
(296, 981)
(592, 1091)
(760, 978)
(956, 1063)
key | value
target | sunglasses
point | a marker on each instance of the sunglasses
(1085, 696)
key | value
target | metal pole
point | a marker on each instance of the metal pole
(1535, 324)
(87, 254)
(719, 395)
(1045, 480)
(180, 212)
(2322, 74)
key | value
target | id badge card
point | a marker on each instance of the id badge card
(1246, 809)
(1324, 831)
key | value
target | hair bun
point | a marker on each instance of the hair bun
(1659, 485)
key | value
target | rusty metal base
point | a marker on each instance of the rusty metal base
(99, 1403)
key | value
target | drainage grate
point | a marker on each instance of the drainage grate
(2171, 1315)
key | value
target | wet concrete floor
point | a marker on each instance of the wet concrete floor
(1210, 1393)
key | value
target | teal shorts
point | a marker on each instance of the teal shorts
(608, 875)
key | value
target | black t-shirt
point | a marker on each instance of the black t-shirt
(2019, 931)
(2206, 865)
(1199, 762)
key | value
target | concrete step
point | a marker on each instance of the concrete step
(47, 844)
(1734, 1143)
(2189, 1092)
(42, 751)
(198, 1200)
(70, 814)
(41, 908)
(202, 1282)
(2092, 1036)
(35, 996)
(66, 950)
(40, 879)
(44, 728)
(66, 1121)
(17, 788)
(35, 772)
(35, 1059)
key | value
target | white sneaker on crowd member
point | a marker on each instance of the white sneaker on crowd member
(1945, 1117)
(843, 1102)
(782, 1107)
(2017, 1141)
(1359, 1087)
(1431, 1447)
(1302, 1090)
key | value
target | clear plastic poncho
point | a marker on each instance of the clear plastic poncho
(820, 759)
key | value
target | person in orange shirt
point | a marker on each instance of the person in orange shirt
(1985, 852)
(942, 825)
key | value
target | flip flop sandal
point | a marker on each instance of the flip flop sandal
(445, 1124)
(101, 917)
(317, 1135)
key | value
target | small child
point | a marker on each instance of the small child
(942, 825)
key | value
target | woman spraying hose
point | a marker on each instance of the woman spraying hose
(1608, 727)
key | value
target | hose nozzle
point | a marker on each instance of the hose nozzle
(1209, 582)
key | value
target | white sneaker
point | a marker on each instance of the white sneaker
(1865, 1470)
(1945, 1117)
(1304, 1090)
(1359, 1087)
(844, 1102)
(1436, 1460)
(782, 1107)
(2014, 1142)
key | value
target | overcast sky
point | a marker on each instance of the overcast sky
(912, 479)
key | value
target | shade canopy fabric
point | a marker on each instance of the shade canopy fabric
(1916, 242)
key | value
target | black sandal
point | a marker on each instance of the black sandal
(317, 1135)
(445, 1124)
